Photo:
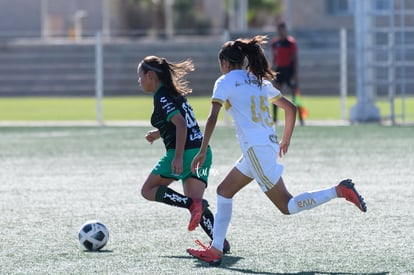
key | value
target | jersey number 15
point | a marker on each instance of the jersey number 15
(260, 110)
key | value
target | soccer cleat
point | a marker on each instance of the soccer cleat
(210, 254)
(196, 209)
(349, 192)
(226, 246)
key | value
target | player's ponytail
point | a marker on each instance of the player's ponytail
(235, 52)
(169, 73)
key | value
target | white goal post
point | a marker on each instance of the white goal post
(99, 78)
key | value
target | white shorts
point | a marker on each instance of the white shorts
(260, 163)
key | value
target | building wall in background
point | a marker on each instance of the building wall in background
(24, 17)
(20, 16)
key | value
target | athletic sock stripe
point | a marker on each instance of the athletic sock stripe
(256, 165)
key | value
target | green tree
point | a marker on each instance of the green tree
(262, 11)
(149, 15)
(187, 17)
(259, 11)
(144, 16)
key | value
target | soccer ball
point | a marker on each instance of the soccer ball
(93, 235)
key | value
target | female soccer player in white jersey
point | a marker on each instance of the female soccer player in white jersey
(245, 93)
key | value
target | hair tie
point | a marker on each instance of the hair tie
(148, 66)
(232, 60)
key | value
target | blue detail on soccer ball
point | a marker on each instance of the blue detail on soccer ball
(93, 235)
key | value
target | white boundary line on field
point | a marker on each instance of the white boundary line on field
(142, 123)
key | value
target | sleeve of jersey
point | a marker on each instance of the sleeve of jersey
(169, 109)
(273, 94)
(219, 91)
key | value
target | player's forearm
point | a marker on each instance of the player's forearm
(290, 118)
(180, 137)
(208, 132)
(210, 125)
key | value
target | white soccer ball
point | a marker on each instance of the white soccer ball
(93, 235)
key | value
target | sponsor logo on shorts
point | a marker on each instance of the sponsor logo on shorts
(273, 138)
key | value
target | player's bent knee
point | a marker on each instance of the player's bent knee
(143, 193)
(222, 192)
(146, 193)
(284, 211)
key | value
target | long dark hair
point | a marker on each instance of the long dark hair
(170, 74)
(236, 51)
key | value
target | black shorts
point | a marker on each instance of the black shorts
(284, 76)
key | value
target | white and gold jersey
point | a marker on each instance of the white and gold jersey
(248, 103)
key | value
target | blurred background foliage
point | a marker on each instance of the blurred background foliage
(148, 15)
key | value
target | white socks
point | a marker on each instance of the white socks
(221, 221)
(309, 200)
(296, 204)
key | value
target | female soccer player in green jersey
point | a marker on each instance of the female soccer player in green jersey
(178, 128)
(245, 92)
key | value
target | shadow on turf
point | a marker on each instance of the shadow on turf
(249, 271)
(98, 251)
(229, 261)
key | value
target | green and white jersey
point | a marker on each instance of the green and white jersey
(165, 107)
(248, 103)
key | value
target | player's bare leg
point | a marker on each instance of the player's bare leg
(194, 188)
(151, 185)
(233, 183)
(156, 188)
(280, 196)
(287, 204)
